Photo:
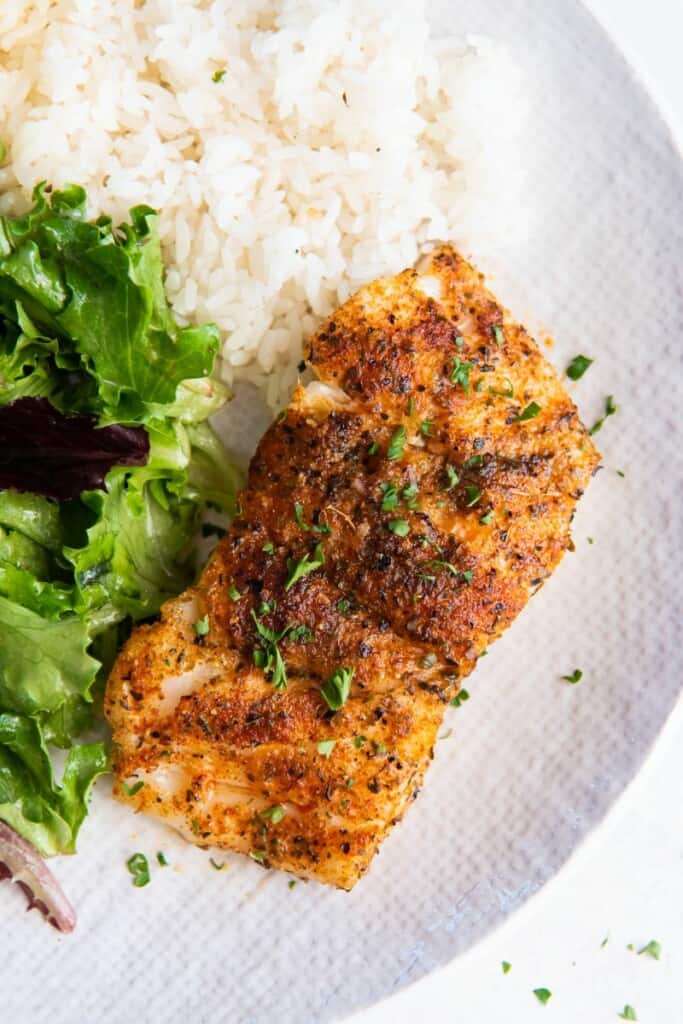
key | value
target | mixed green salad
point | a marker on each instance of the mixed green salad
(107, 465)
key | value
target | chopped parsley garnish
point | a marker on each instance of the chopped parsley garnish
(621, 473)
(389, 497)
(498, 334)
(453, 478)
(467, 575)
(201, 626)
(214, 864)
(590, 540)
(219, 75)
(610, 409)
(409, 496)
(397, 443)
(473, 462)
(604, 942)
(139, 869)
(428, 661)
(195, 826)
(652, 949)
(337, 688)
(529, 413)
(299, 516)
(575, 677)
(401, 527)
(268, 548)
(267, 655)
(460, 374)
(628, 1013)
(508, 393)
(578, 367)
(411, 406)
(305, 565)
(325, 747)
(506, 966)
(443, 565)
(258, 855)
(291, 883)
(358, 741)
(322, 528)
(460, 698)
(132, 790)
(233, 592)
(273, 814)
(161, 859)
(301, 634)
(485, 520)
(473, 494)
(343, 605)
(543, 995)
(373, 449)
(426, 428)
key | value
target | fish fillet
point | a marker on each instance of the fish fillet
(397, 517)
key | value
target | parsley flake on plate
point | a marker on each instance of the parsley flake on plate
(578, 367)
(543, 995)
(139, 869)
(610, 409)
(460, 698)
(653, 949)
(575, 677)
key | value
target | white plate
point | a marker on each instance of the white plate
(533, 764)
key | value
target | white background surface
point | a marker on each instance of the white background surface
(627, 880)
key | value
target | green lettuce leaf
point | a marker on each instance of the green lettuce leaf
(99, 295)
(84, 323)
(46, 814)
(42, 662)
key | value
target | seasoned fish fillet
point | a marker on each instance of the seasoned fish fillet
(397, 517)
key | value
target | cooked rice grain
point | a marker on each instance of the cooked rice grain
(340, 141)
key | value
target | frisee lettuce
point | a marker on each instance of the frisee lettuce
(85, 324)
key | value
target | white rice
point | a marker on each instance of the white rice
(340, 141)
